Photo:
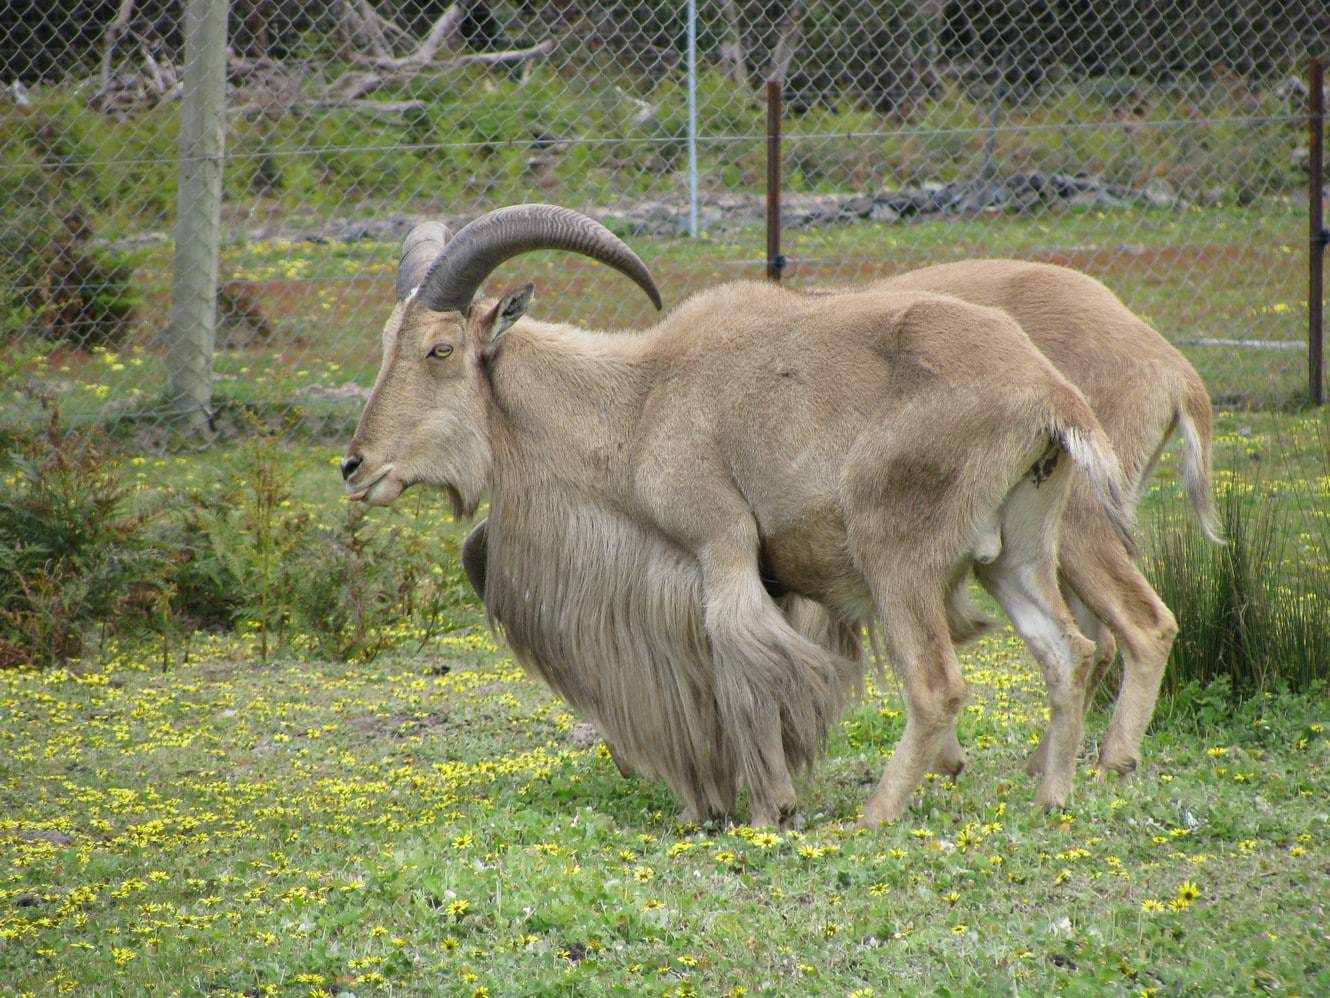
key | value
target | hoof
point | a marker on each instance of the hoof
(1052, 799)
(1121, 767)
(950, 768)
(875, 817)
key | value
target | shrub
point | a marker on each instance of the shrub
(367, 587)
(57, 287)
(1253, 615)
(72, 553)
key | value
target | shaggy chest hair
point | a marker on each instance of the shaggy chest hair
(610, 617)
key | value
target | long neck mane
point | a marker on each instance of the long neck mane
(591, 601)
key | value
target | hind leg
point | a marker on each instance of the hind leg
(1023, 579)
(909, 584)
(1030, 597)
(1103, 576)
(966, 622)
(1105, 651)
(925, 662)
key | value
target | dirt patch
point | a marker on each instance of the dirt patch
(398, 724)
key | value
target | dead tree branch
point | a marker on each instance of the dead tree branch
(353, 86)
(442, 31)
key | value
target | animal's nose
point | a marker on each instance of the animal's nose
(350, 465)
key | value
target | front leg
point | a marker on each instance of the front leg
(777, 692)
(749, 682)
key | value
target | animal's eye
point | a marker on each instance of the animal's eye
(440, 350)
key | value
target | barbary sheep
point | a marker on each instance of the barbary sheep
(1143, 390)
(873, 446)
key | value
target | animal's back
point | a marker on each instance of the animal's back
(807, 397)
(1133, 378)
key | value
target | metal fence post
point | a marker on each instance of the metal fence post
(192, 331)
(1319, 235)
(775, 261)
(692, 119)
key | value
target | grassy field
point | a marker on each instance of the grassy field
(194, 815)
(426, 826)
(195, 820)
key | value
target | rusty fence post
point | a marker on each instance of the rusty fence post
(775, 261)
(1319, 235)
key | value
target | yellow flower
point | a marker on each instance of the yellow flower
(459, 907)
(1150, 906)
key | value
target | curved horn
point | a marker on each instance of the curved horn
(480, 246)
(421, 247)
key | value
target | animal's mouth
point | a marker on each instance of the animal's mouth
(378, 490)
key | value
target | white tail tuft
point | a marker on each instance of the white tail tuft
(1196, 477)
(1094, 456)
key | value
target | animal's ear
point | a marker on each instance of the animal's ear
(511, 307)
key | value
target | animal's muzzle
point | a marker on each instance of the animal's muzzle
(350, 465)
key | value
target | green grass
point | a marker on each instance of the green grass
(472, 141)
(393, 830)
(424, 824)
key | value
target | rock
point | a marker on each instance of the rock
(884, 213)
(1160, 193)
(1093, 199)
(27, 899)
(860, 206)
(903, 203)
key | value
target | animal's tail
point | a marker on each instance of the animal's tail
(1194, 417)
(1073, 424)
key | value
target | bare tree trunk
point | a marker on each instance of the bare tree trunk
(787, 42)
(113, 32)
(364, 26)
(732, 52)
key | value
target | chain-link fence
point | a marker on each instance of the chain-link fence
(1160, 145)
